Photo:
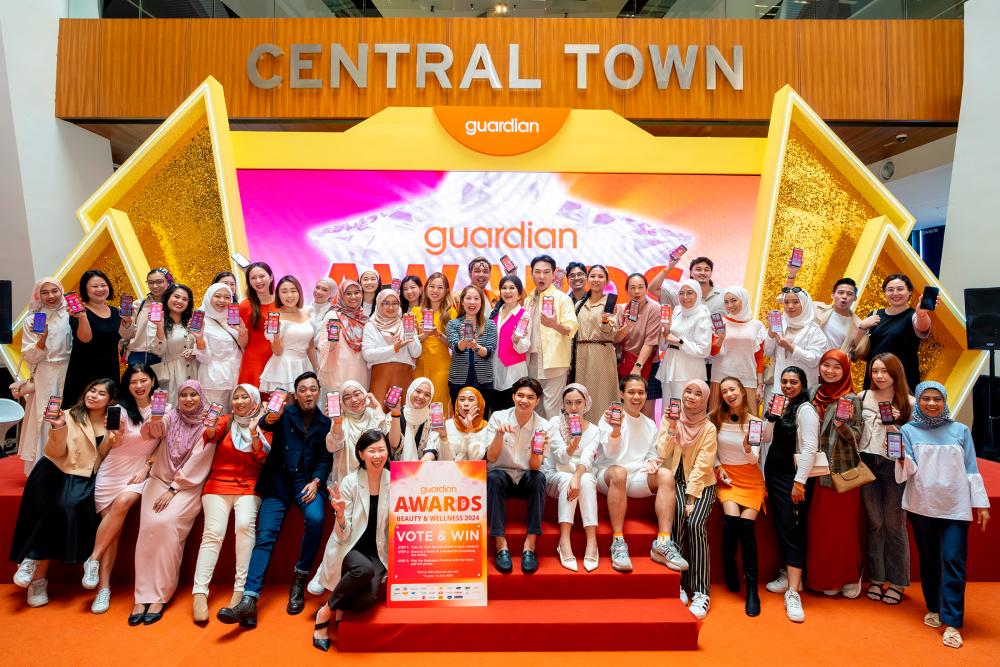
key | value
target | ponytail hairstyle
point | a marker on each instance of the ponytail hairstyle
(516, 282)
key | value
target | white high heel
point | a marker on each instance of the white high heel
(590, 564)
(568, 563)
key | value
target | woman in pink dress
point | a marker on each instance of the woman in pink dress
(121, 478)
(171, 501)
(341, 360)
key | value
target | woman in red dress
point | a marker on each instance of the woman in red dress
(253, 312)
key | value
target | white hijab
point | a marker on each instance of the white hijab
(807, 315)
(744, 297)
(699, 309)
(220, 316)
(415, 418)
(240, 431)
(317, 310)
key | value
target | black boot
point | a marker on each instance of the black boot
(296, 594)
(748, 549)
(244, 613)
(730, 542)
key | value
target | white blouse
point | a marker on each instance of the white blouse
(736, 357)
(730, 451)
(221, 358)
(688, 361)
(459, 446)
(559, 460)
(810, 344)
(376, 350)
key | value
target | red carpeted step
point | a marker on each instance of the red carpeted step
(554, 582)
(525, 625)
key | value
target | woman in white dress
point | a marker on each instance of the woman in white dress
(47, 357)
(292, 351)
(687, 340)
(174, 342)
(219, 346)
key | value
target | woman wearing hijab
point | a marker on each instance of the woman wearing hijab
(943, 487)
(340, 360)
(218, 347)
(324, 296)
(800, 342)
(229, 488)
(414, 440)
(390, 356)
(464, 435)
(687, 447)
(687, 341)
(833, 561)
(360, 412)
(47, 357)
(171, 500)
(739, 350)
(569, 476)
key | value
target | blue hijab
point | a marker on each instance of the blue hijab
(921, 420)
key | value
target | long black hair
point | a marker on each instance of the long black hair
(168, 322)
(252, 293)
(127, 400)
(791, 410)
(405, 304)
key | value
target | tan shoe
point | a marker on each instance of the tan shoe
(200, 611)
(235, 600)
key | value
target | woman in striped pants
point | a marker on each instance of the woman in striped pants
(687, 443)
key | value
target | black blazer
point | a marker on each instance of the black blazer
(290, 439)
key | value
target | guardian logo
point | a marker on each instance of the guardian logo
(501, 130)
(512, 126)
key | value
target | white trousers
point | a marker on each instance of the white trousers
(557, 486)
(217, 509)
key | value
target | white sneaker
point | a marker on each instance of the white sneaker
(779, 585)
(793, 607)
(102, 602)
(314, 587)
(38, 593)
(699, 605)
(25, 572)
(91, 574)
(684, 597)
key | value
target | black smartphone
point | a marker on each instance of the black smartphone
(114, 417)
(928, 300)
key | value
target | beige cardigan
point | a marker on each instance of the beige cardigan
(74, 449)
(699, 458)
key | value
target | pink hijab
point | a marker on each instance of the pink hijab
(693, 420)
(184, 429)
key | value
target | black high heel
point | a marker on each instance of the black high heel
(323, 644)
(136, 619)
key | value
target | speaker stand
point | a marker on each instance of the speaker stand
(991, 451)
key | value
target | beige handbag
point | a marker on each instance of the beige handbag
(854, 477)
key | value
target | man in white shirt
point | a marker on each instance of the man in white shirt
(837, 318)
(551, 335)
(514, 458)
(628, 466)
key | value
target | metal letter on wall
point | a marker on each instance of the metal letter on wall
(300, 65)
(254, 75)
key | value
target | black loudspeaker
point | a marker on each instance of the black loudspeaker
(6, 314)
(982, 318)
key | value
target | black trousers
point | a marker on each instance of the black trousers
(500, 486)
(360, 576)
(789, 518)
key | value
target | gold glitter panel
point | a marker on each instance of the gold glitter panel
(176, 212)
(939, 352)
(819, 211)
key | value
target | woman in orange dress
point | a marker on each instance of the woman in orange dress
(253, 312)
(435, 356)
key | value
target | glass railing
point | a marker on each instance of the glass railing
(656, 9)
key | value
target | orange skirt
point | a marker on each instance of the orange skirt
(747, 488)
(386, 375)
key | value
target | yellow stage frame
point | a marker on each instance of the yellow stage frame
(590, 141)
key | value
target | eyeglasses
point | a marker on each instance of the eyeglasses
(796, 290)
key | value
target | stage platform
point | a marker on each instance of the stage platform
(552, 610)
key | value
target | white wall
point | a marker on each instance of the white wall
(50, 166)
(973, 203)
